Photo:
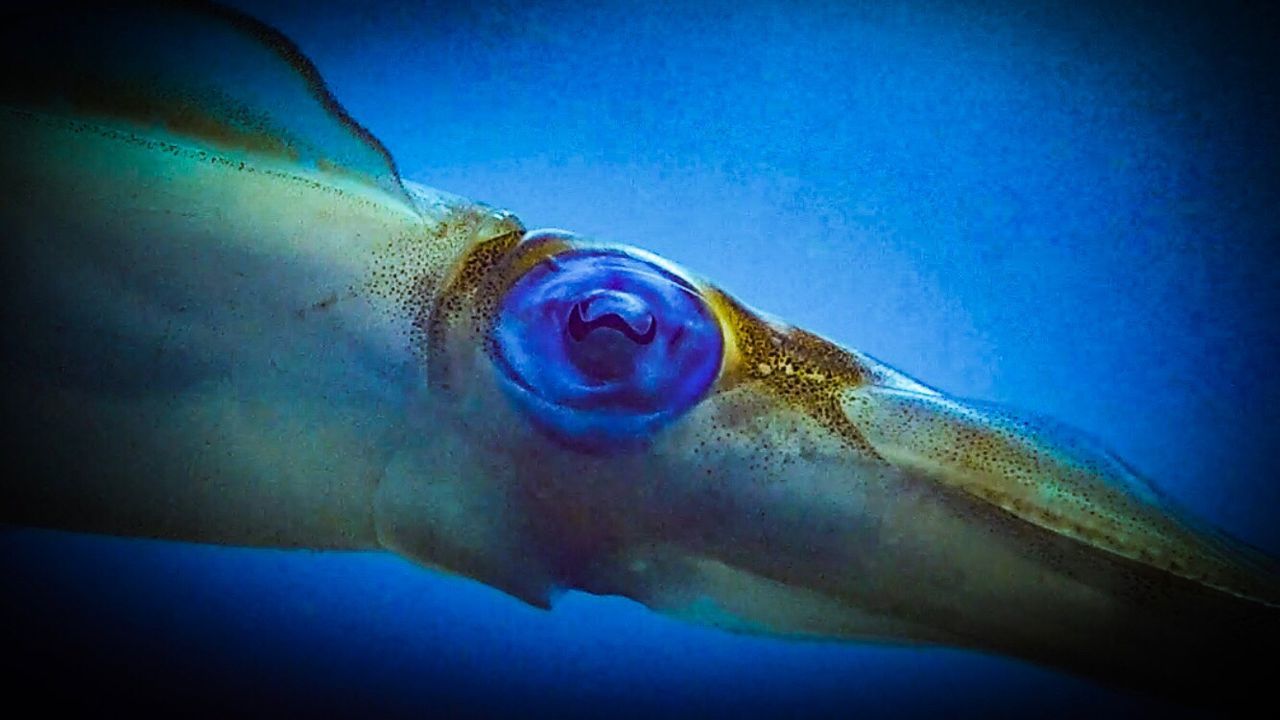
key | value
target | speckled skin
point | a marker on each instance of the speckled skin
(209, 341)
(817, 492)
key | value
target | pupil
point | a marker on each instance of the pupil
(579, 326)
(606, 347)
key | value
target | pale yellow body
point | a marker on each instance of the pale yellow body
(219, 343)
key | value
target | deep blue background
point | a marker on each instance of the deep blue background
(1070, 209)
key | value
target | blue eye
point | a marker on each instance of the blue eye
(601, 349)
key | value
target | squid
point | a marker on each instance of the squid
(229, 320)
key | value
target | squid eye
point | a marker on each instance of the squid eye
(601, 349)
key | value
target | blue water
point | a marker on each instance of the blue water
(1071, 210)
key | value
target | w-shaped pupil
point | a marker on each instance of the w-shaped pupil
(580, 327)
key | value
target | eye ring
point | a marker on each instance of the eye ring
(601, 349)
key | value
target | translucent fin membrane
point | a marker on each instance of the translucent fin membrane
(201, 72)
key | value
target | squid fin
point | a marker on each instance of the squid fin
(197, 73)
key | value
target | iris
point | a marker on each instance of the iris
(601, 349)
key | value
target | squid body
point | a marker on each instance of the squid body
(228, 320)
